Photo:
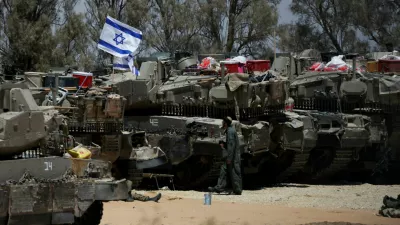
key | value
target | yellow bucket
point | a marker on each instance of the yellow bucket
(372, 66)
(80, 153)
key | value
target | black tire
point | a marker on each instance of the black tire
(92, 216)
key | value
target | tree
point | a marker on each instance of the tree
(37, 34)
(211, 18)
(26, 35)
(237, 25)
(379, 20)
(172, 25)
(333, 17)
(297, 37)
(72, 39)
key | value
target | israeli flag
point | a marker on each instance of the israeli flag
(135, 71)
(119, 39)
(126, 63)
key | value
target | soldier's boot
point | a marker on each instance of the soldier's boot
(232, 192)
(130, 198)
(213, 189)
(155, 198)
(390, 202)
(129, 186)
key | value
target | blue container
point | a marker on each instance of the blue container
(207, 198)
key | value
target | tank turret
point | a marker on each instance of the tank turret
(33, 144)
(24, 124)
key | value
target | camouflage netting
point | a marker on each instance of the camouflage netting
(391, 207)
(27, 178)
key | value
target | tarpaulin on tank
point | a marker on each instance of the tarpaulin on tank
(147, 156)
(308, 78)
(293, 131)
(257, 135)
(235, 80)
(388, 84)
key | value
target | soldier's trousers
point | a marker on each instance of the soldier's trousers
(139, 197)
(230, 174)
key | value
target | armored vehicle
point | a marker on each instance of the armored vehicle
(371, 99)
(98, 120)
(300, 135)
(95, 119)
(38, 185)
(192, 146)
(160, 102)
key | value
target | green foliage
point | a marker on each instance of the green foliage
(33, 39)
(332, 17)
(236, 25)
(379, 21)
(337, 24)
(26, 28)
(38, 34)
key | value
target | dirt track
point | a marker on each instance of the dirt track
(281, 205)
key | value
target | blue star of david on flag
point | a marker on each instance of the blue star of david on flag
(124, 64)
(119, 36)
(119, 39)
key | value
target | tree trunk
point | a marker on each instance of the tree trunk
(231, 25)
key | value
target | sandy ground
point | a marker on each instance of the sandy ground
(291, 204)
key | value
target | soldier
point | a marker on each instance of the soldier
(231, 169)
(132, 195)
(135, 196)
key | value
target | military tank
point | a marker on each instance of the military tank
(98, 120)
(364, 101)
(38, 184)
(162, 101)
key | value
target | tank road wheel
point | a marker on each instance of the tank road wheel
(320, 160)
(92, 215)
(196, 172)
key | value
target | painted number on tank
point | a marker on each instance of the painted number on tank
(48, 166)
(154, 122)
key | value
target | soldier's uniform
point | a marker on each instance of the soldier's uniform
(139, 197)
(230, 173)
(132, 195)
(136, 196)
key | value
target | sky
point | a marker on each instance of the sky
(285, 15)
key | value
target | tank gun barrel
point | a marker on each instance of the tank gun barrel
(353, 56)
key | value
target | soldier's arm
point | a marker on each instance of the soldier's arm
(230, 144)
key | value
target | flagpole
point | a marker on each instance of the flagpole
(112, 75)
(274, 43)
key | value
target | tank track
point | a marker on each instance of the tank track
(136, 176)
(208, 177)
(299, 161)
(340, 162)
(211, 175)
(110, 143)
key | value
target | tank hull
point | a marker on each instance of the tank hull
(54, 190)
